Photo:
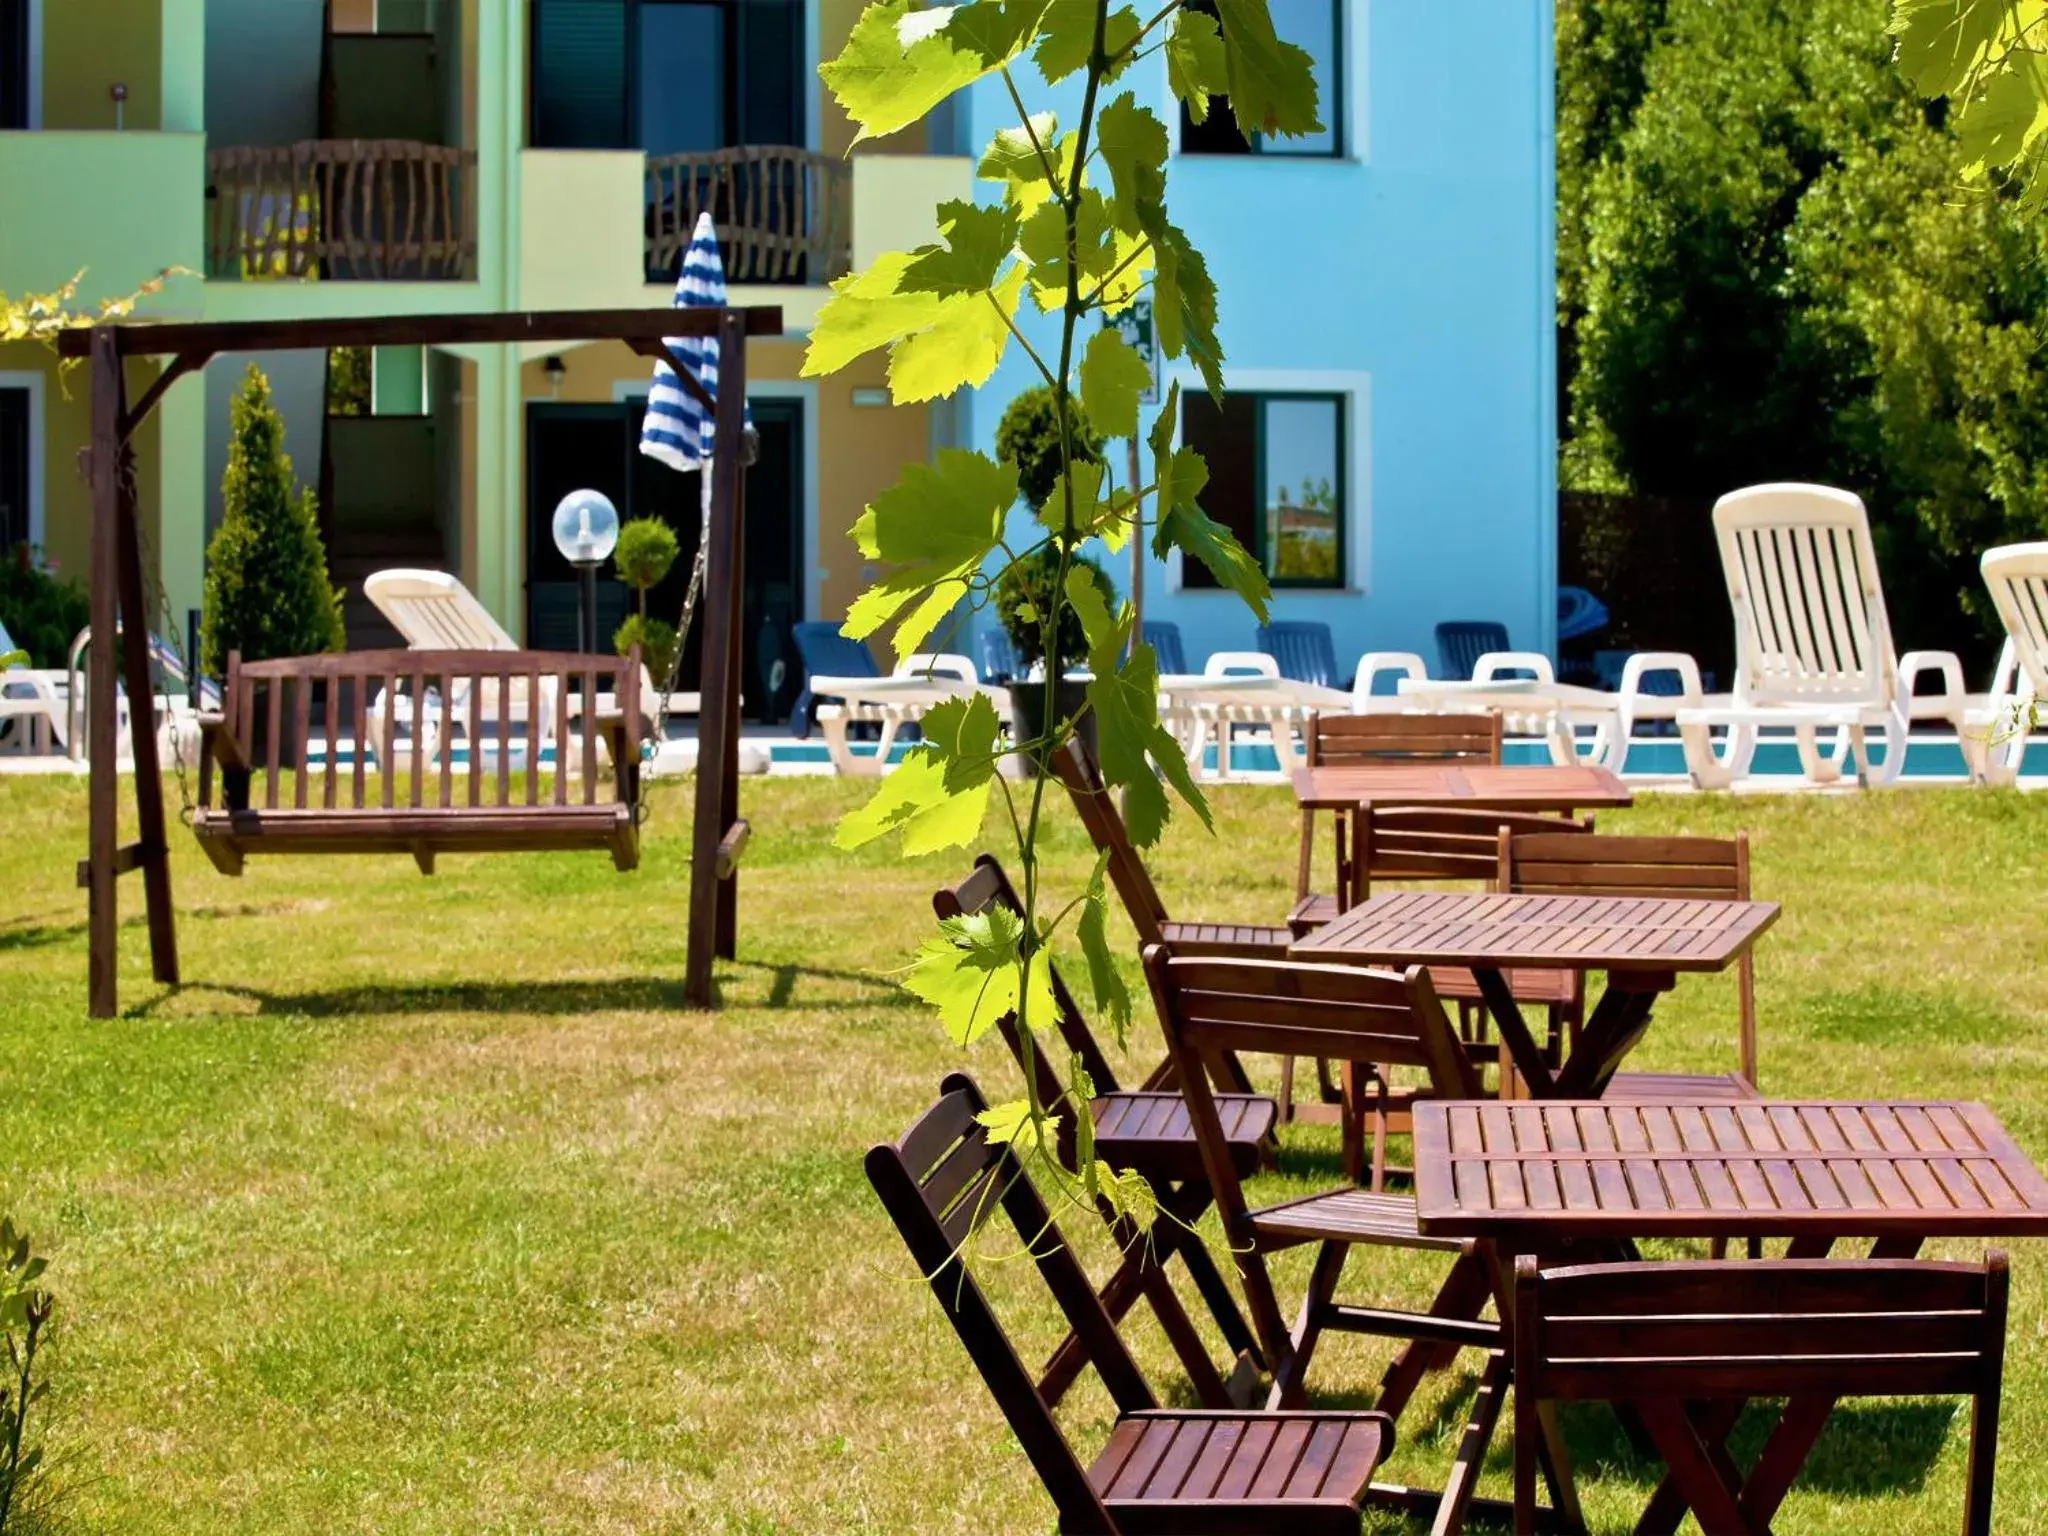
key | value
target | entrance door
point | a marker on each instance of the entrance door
(14, 64)
(14, 476)
(596, 447)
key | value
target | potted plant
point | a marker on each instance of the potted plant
(1026, 593)
(267, 589)
(646, 552)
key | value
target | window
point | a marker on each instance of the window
(1276, 481)
(666, 76)
(1311, 24)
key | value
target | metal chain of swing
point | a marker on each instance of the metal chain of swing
(750, 452)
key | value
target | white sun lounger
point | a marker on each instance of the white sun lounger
(1242, 689)
(1996, 734)
(892, 702)
(1813, 646)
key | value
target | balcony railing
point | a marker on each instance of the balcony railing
(347, 209)
(783, 215)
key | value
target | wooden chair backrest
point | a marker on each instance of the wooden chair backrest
(1409, 842)
(1663, 1335)
(1810, 624)
(496, 700)
(939, 1184)
(1213, 1009)
(1341, 740)
(1105, 826)
(2017, 575)
(1685, 868)
(987, 886)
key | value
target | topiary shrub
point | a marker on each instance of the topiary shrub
(42, 614)
(1025, 594)
(657, 641)
(646, 552)
(267, 591)
(1029, 437)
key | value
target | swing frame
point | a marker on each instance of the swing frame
(120, 615)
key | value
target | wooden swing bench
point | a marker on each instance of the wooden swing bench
(407, 717)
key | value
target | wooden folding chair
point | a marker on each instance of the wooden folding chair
(1148, 1131)
(1106, 829)
(1688, 868)
(1425, 843)
(1345, 740)
(1160, 1472)
(1683, 1344)
(1350, 1014)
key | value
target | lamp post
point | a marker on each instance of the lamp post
(586, 529)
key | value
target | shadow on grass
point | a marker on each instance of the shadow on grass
(643, 994)
(39, 935)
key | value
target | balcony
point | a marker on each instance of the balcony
(783, 215)
(348, 210)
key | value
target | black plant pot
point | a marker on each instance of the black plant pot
(1027, 713)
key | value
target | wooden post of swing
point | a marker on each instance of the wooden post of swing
(714, 902)
(117, 608)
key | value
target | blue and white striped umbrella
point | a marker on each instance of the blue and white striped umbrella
(678, 428)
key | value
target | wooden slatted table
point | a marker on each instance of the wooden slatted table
(1470, 786)
(1641, 942)
(1527, 1177)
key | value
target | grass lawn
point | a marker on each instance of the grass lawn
(425, 1207)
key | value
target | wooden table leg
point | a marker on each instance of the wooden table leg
(1610, 1032)
(1514, 1032)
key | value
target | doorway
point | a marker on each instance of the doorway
(596, 447)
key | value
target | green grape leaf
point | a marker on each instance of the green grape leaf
(937, 796)
(977, 241)
(1184, 303)
(935, 525)
(899, 62)
(1112, 997)
(1272, 84)
(1124, 695)
(1941, 43)
(1996, 127)
(1113, 376)
(1130, 1195)
(1043, 240)
(868, 310)
(1133, 145)
(1013, 158)
(1068, 33)
(969, 971)
(1180, 474)
(1012, 1123)
(962, 346)
(997, 31)
(1196, 66)
(1083, 477)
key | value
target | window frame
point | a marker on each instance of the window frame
(1261, 146)
(1341, 401)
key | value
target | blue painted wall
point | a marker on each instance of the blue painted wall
(1415, 276)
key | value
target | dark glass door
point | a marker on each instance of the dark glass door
(14, 451)
(14, 64)
(596, 447)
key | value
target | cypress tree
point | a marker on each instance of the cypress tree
(267, 589)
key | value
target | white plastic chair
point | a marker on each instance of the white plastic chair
(902, 698)
(1403, 664)
(1813, 646)
(32, 717)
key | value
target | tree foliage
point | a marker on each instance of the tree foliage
(267, 592)
(1769, 269)
(1073, 217)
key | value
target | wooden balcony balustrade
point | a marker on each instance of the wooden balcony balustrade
(784, 215)
(344, 209)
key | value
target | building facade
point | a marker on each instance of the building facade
(1386, 445)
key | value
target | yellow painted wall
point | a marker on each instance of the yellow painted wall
(90, 44)
(67, 427)
(861, 449)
